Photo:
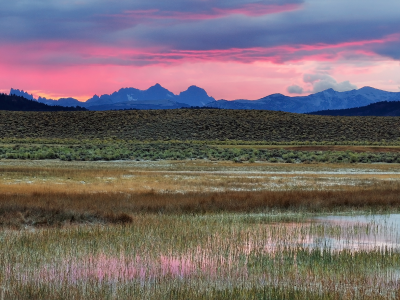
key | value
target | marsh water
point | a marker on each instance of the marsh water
(358, 232)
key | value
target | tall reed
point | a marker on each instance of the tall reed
(201, 257)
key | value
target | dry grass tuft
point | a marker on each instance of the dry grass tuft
(19, 212)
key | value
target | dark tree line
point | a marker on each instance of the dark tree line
(19, 103)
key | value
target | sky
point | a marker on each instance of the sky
(234, 49)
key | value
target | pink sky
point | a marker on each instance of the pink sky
(232, 49)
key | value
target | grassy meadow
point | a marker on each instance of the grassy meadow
(198, 229)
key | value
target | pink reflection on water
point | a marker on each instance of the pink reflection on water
(105, 268)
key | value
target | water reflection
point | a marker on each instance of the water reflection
(362, 232)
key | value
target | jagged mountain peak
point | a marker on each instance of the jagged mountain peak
(195, 96)
(194, 90)
(157, 86)
(195, 87)
(22, 93)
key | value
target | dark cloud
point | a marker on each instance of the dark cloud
(390, 49)
(97, 21)
(324, 29)
(244, 32)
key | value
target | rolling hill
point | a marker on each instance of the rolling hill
(383, 108)
(201, 124)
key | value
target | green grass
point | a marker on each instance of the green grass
(93, 151)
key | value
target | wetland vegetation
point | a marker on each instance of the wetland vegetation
(198, 230)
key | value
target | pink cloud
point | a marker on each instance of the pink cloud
(56, 54)
(228, 80)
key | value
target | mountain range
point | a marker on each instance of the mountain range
(155, 97)
(158, 97)
(328, 99)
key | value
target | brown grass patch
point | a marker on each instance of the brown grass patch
(20, 215)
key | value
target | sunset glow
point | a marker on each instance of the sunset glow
(233, 49)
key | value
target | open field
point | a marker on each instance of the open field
(198, 229)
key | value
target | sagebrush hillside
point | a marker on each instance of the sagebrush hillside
(189, 124)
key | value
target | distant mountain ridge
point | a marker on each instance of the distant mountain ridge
(131, 98)
(380, 109)
(328, 99)
(158, 97)
(143, 104)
